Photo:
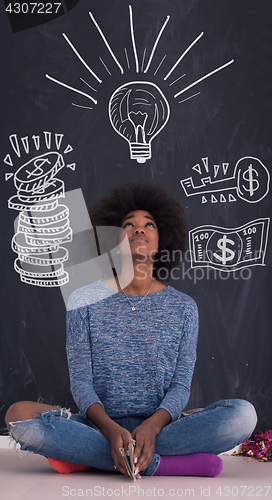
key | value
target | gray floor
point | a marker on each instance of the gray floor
(25, 476)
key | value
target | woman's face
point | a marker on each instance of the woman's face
(142, 233)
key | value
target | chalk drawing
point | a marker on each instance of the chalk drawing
(229, 249)
(138, 111)
(250, 181)
(42, 226)
(131, 124)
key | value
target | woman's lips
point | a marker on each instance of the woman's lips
(139, 238)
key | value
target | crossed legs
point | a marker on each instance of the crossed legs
(56, 433)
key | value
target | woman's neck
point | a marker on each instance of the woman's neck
(141, 281)
(139, 287)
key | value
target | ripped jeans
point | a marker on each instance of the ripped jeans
(73, 438)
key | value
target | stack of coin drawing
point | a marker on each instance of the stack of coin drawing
(43, 224)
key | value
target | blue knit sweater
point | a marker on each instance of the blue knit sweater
(131, 362)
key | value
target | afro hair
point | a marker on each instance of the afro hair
(111, 209)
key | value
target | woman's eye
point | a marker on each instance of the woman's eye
(147, 224)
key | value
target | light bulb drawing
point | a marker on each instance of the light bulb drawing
(138, 111)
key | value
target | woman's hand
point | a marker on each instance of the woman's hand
(118, 437)
(145, 437)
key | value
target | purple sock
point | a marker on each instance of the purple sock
(197, 464)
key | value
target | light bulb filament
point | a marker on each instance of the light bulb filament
(138, 120)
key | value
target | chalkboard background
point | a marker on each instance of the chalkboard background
(229, 119)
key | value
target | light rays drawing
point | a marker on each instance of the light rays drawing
(137, 118)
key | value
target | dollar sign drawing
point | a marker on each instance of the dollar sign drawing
(38, 164)
(222, 245)
(250, 179)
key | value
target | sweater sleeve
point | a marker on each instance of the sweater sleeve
(177, 395)
(79, 358)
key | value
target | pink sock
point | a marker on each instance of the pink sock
(197, 464)
(66, 467)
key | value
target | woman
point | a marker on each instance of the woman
(131, 354)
